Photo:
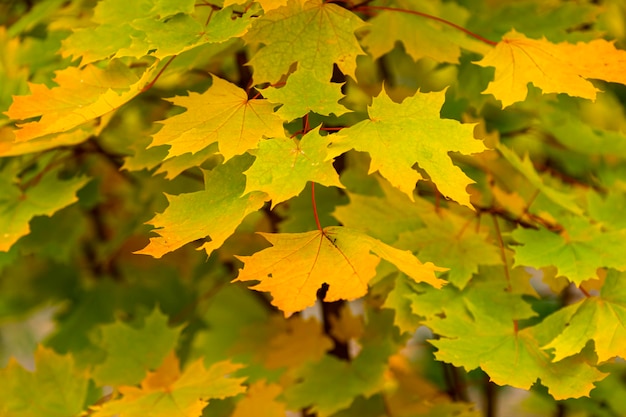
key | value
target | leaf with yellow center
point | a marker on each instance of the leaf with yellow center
(555, 68)
(169, 393)
(298, 264)
(222, 114)
(399, 135)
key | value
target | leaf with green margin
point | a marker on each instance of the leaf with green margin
(215, 212)
(82, 95)
(297, 265)
(577, 252)
(55, 389)
(451, 241)
(45, 197)
(283, 166)
(420, 36)
(601, 319)
(526, 168)
(304, 93)
(132, 352)
(222, 114)
(147, 27)
(168, 393)
(397, 136)
(479, 331)
(312, 33)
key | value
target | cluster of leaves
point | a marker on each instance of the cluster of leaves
(375, 170)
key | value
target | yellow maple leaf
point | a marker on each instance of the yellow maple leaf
(555, 68)
(222, 114)
(169, 393)
(82, 95)
(298, 264)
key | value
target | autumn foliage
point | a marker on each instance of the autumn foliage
(237, 208)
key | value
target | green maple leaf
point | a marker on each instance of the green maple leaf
(222, 114)
(479, 331)
(131, 352)
(283, 166)
(312, 33)
(215, 212)
(608, 210)
(397, 136)
(449, 240)
(577, 252)
(601, 319)
(420, 36)
(526, 168)
(399, 301)
(150, 27)
(304, 93)
(45, 197)
(55, 388)
(382, 217)
(363, 376)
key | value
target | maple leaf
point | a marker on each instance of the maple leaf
(150, 27)
(478, 331)
(525, 166)
(260, 401)
(205, 213)
(297, 265)
(313, 33)
(362, 376)
(55, 388)
(399, 135)
(449, 240)
(398, 300)
(555, 68)
(82, 95)
(293, 342)
(600, 319)
(168, 393)
(45, 197)
(303, 93)
(132, 352)
(577, 252)
(383, 217)
(421, 37)
(283, 166)
(222, 114)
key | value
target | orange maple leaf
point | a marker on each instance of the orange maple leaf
(299, 264)
(82, 95)
(555, 68)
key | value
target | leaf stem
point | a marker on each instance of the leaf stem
(154, 80)
(584, 291)
(427, 16)
(317, 219)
